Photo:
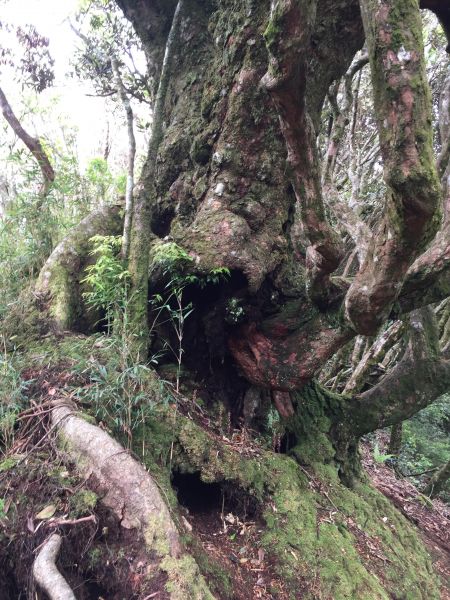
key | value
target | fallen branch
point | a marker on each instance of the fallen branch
(46, 573)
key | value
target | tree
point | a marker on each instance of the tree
(225, 192)
(235, 179)
(36, 70)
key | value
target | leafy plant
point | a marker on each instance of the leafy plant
(379, 456)
(120, 394)
(170, 307)
(107, 279)
(12, 396)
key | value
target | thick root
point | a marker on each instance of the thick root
(46, 573)
(60, 276)
(129, 491)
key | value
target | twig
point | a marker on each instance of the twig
(60, 522)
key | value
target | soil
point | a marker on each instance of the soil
(101, 560)
(431, 517)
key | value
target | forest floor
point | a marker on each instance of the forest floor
(224, 530)
(432, 518)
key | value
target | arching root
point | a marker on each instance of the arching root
(46, 573)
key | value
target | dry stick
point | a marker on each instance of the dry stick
(61, 522)
(33, 144)
(131, 156)
(47, 575)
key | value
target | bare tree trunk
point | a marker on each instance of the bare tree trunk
(131, 157)
(141, 225)
(34, 146)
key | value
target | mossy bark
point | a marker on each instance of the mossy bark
(59, 281)
(313, 526)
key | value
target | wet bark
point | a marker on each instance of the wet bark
(403, 110)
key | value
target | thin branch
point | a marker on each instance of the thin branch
(131, 156)
(34, 146)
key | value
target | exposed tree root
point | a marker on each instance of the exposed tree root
(61, 276)
(129, 491)
(46, 573)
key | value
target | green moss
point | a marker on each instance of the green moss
(185, 580)
(83, 502)
(315, 527)
(219, 581)
(8, 463)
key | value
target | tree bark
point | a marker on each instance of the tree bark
(131, 156)
(396, 438)
(403, 110)
(34, 146)
(142, 210)
(46, 573)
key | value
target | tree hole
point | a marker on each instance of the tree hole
(219, 498)
(196, 495)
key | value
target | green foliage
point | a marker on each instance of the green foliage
(234, 311)
(12, 397)
(172, 257)
(107, 278)
(379, 456)
(118, 393)
(426, 442)
(2, 508)
(99, 179)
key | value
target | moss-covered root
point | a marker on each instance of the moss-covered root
(61, 274)
(325, 539)
(129, 491)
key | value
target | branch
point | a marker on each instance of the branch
(442, 10)
(373, 356)
(438, 481)
(420, 377)
(46, 573)
(287, 39)
(403, 111)
(34, 146)
(342, 116)
(131, 156)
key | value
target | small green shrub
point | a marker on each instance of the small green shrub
(107, 278)
(12, 396)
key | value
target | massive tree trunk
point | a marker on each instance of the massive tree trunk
(233, 178)
(237, 185)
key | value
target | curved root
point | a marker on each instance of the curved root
(129, 490)
(46, 573)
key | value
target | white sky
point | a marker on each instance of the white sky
(88, 114)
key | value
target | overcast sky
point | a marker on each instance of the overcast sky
(87, 113)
